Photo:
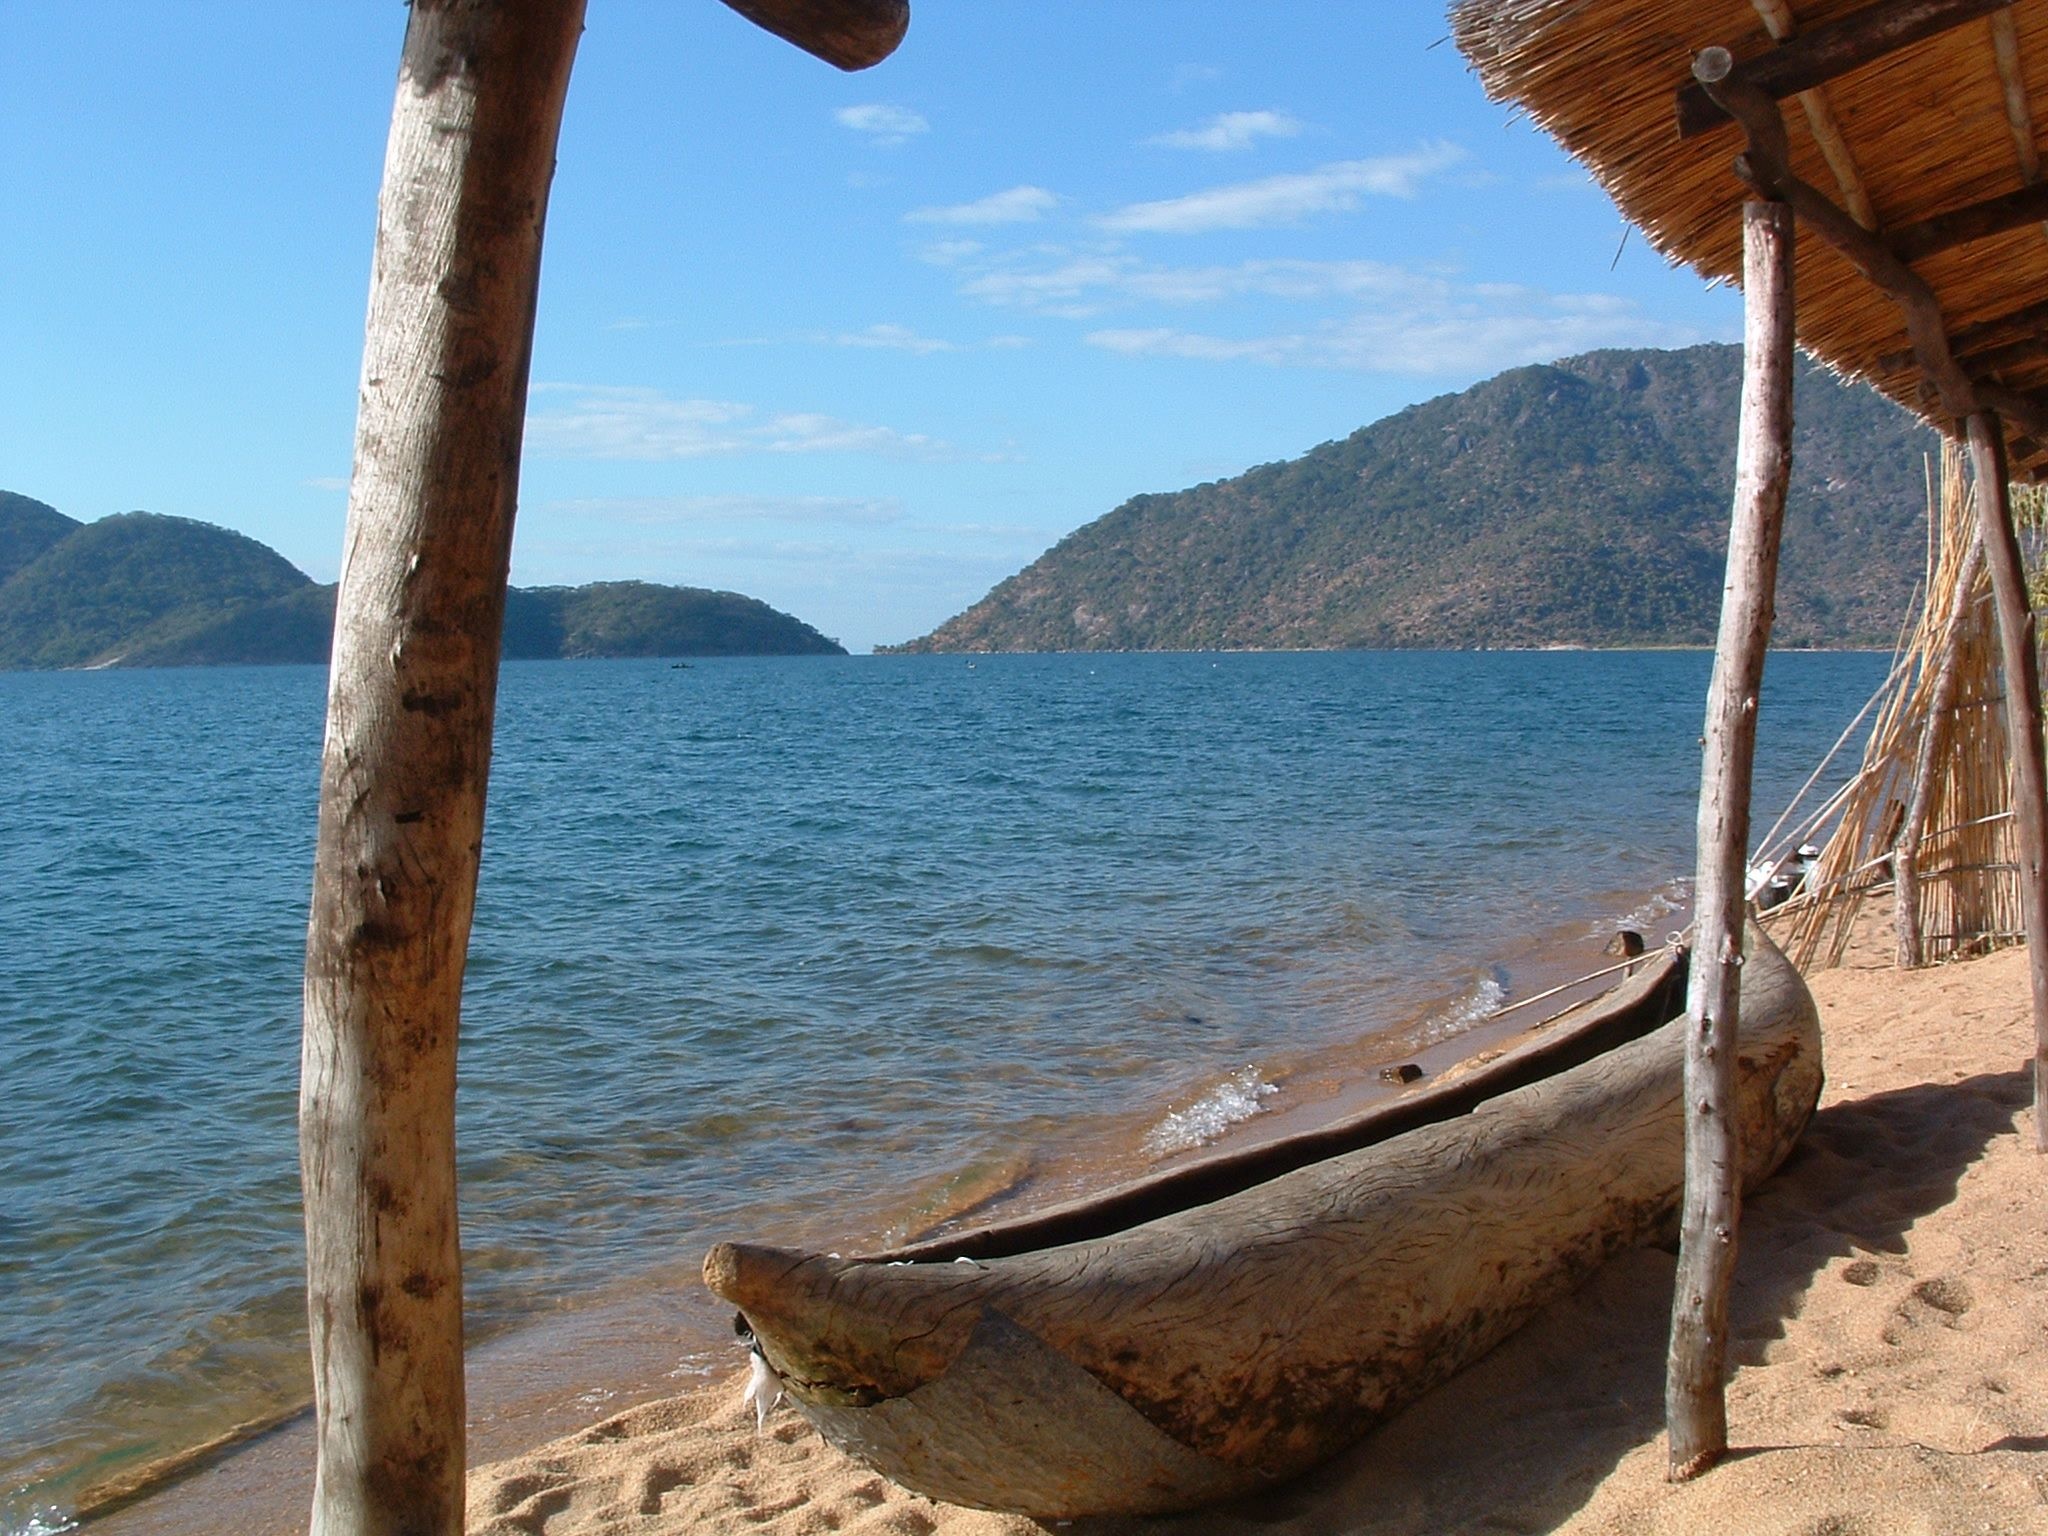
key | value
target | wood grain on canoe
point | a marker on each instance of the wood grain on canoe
(1265, 1330)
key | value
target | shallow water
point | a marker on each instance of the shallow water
(778, 947)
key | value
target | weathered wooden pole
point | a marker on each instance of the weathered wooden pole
(409, 714)
(1934, 739)
(2022, 724)
(1694, 1403)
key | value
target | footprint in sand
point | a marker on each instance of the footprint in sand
(655, 1485)
(1941, 1299)
(1944, 1295)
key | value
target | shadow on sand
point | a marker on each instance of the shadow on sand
(1517, 1443)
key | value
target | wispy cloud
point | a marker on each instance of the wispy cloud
(611, 422)
(1442, 330)
(950, 253)
(1082, 285)
(1230, 130)
(690, 511)
(888, 338)
(1335, 188)
(1019, 205)
(882, 123)
(880, 338)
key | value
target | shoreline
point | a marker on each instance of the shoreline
(1890, 1330)
(633, 1342)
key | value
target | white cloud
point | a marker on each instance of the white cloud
(1440, 329)
(672, 511)
(890, 338)
(950, 253)
(1079, 286)
(881, 122)
(1334, 188)
(611, 422)
(1019, 205)
(1230, 130)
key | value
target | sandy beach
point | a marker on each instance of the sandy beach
(1891, 1351)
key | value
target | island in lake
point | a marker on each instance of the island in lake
(144, 590)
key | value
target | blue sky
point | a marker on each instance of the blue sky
(860, 345)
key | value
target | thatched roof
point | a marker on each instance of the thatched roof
(1928, 129)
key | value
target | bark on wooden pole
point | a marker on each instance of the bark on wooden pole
(2022, 724)
(1934, 740)
(1695, 1406)
(410, 705)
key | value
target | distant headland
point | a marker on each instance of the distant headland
(144, 590)
(1582, 503)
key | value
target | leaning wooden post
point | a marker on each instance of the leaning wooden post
(1695, 1408)
(409, 714)
(1927, 768)
(2022, 724)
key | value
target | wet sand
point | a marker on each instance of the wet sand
(1891, 1353)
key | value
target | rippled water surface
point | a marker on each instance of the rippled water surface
(767, 946)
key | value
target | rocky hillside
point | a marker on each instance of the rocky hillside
(144, 590)
(1581, 503)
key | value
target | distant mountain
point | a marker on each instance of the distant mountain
(27, 528)
(145, 590)
(1581, 503)
(124, 580)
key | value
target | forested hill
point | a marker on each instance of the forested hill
(144, 590)
(1580, 503)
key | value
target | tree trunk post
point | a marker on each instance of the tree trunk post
(410, 705)
(1934, 739)
(2022, 724)
(1695, 1404)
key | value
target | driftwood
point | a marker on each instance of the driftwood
(1222, 1344)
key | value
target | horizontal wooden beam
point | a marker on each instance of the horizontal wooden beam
(1834, 48)
(2021, 324)
(852, 34)
(2014, 354)
(1978, 221)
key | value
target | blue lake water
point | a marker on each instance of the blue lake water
(773, 947)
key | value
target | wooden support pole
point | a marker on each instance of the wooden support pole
(1695, 1405)
(410, 706)
(2016, 640)
(1935, 734)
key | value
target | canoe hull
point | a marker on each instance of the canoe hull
(1210, 1351)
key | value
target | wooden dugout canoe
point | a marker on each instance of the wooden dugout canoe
(1203, 1332)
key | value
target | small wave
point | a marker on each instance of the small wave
(1476, 1007)
(1236, 1098)
(1675, 896)
(40, 1522)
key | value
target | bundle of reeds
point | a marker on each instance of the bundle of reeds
(1929, 812)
